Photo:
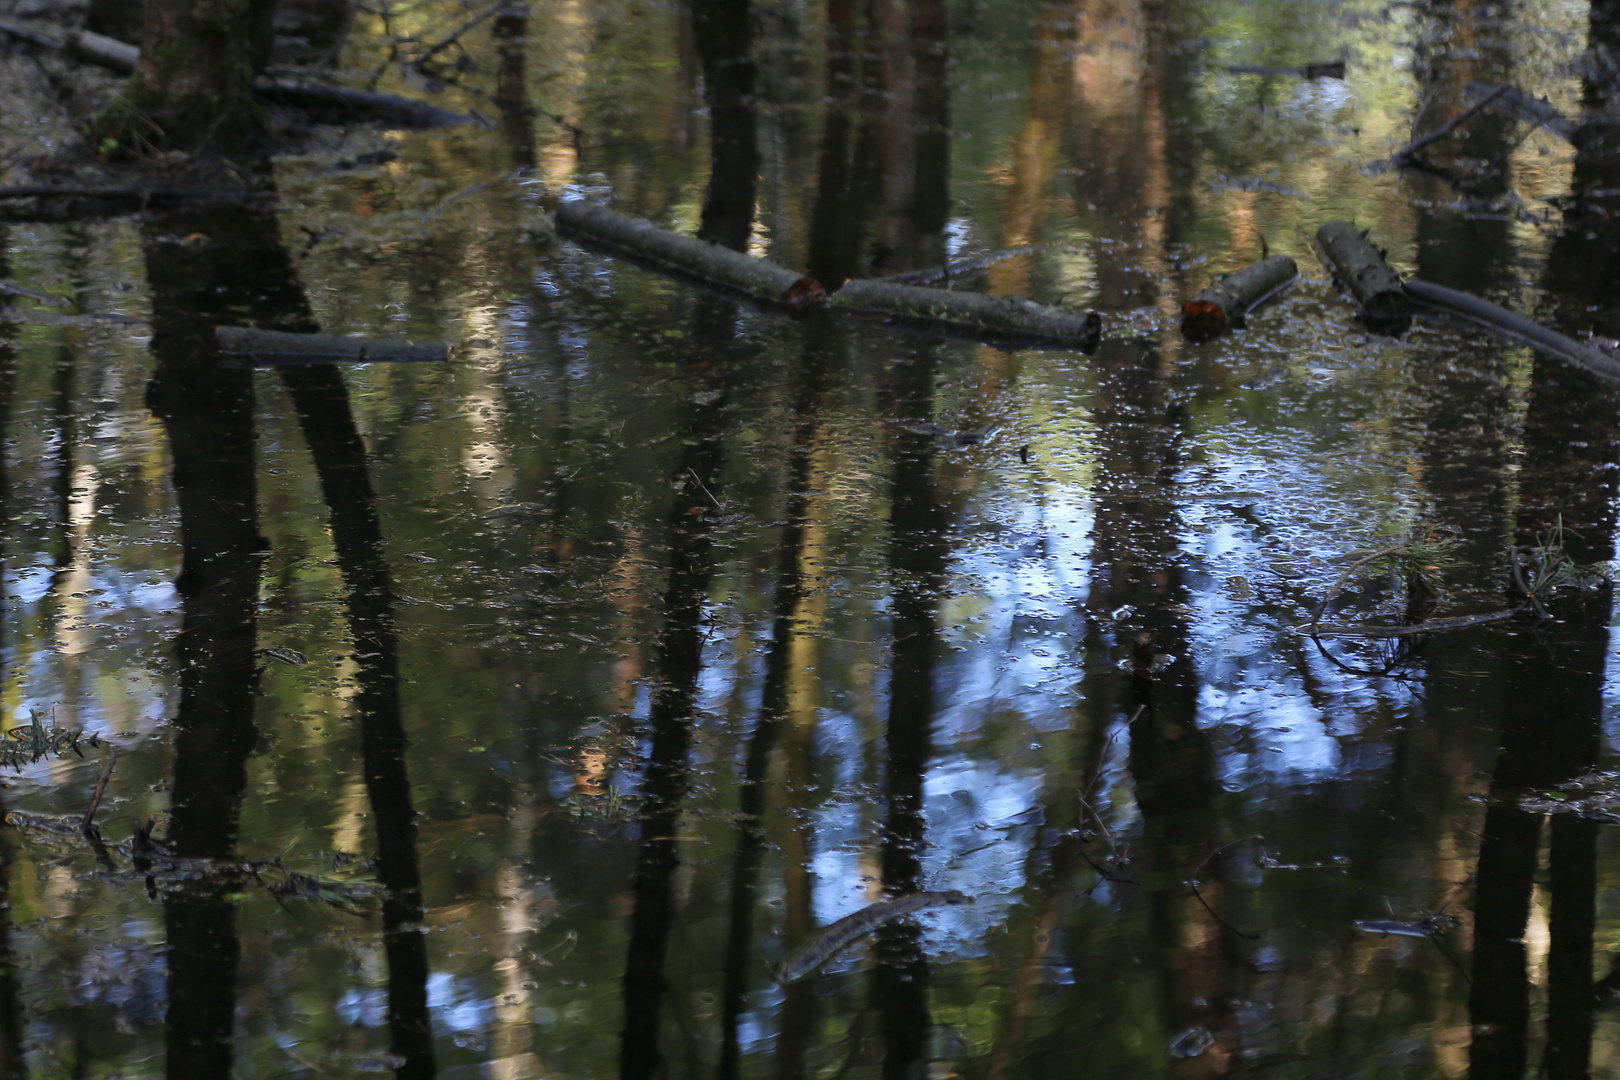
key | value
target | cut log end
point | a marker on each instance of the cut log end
(1202, 320)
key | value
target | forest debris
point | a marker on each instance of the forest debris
(121, 58)
(1533, 110)
(760, 279)
(43, 298)
(101, 788)
(1405, 154)
(1327, 69)
(103, 51)
(979, 314)
(242, 346)
(386, 108)
(1013, 316)
(27, 744)
(1360, 267)
(1429, 626)
(833, 939)
(956, 269)
(1515, 326)
(1232, 296)
(1427, 927)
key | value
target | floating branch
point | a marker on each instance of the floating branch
(838, 936)
(956, 269)
(1360, 268)
(1224, 303)
(1328, 69)
(1516, 326)
(1537, 111)
(977, 314)
(1012, 316)
(121, 58)
(760, 279)
(388, 108)
(242, 346)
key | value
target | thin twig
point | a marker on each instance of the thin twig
(1524, 588)
(455, 34)
(1213, 914)
(1231, 843)
(101, 787)
(1447, 128)
(705, 487)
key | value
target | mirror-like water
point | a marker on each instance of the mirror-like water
(515, 716)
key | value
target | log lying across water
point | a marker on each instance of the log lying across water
(1232, 296)
(121, 58)
(242, 346)
(759, 279)
(1000, 314)
(1516, 326)
(1360, 267)
(940, 310)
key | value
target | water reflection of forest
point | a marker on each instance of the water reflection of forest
(654, 633)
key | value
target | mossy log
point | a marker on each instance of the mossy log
(1007, 316)
(978, 314)
(242, 346)
(1360, 267)
(1232, 296)
(122, 59)
(759, 279)
(1516, 326)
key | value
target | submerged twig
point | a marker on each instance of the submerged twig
(1513, 325)
(101, 787)
(1401, 156)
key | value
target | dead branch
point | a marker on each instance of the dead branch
(1515, 326)
(242, 346)
(1225, 303)
(1360, 267)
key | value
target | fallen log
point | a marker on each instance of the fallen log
(242, 347)
(759, 279)
(1516, 326)
(388, 108)
(1328, 69)
(956, 269)
(121, 58)
(1231, 297)
(1360, 268)
(1009, 316)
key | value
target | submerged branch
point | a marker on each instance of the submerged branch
(978, 315)
(1232, 296)
(1515, 326)
(242, 346)
(1360, 267)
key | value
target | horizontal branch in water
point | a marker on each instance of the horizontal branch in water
(1012, 316)
(242, 346)
(1513, 325)
(933, 310)
(1359, 267)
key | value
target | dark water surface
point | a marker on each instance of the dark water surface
(513, 716)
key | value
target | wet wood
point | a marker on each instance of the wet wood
(1328, 69)
(1404, 155)
(759, 279)
(242, 346)
(1360, 268)
(1513, 325)
(121, 58)
(1232, 296)
(1010, 316)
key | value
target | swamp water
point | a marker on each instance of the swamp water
(515, 716)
